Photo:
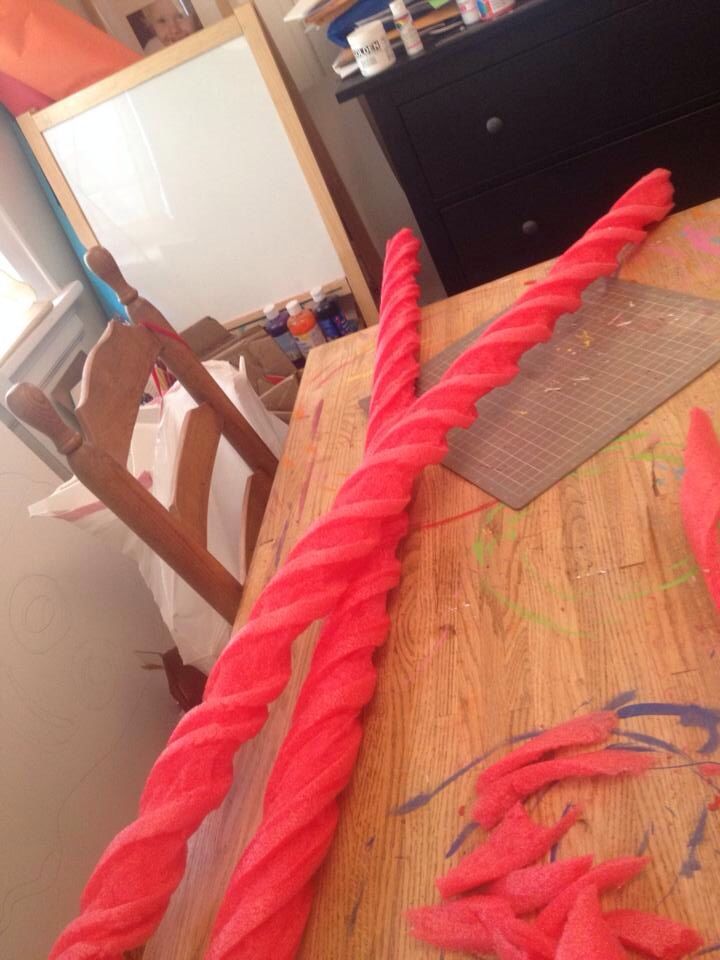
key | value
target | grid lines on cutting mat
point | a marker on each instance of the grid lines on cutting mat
(628, 349)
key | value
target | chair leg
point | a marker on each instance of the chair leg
(185, 683)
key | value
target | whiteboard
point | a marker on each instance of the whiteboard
(191, 182)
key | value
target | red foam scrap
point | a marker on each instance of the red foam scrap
(581, 731)
(611, 873)
(451, 926)
(506, 950)
(500, 796)
(497, 916)
(532, 888)
(586, 935)
(516, 842)
(478, 924)
(652, 935)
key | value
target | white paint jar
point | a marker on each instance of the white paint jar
(371, 48)
(469, 11)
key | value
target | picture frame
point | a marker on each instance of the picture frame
(147, 26)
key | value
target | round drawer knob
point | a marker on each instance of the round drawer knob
(530, 228)
(494, 125)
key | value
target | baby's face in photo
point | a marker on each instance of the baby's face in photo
(169, 21)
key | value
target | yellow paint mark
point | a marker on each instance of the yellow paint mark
(585, 338)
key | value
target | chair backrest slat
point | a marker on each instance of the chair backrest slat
(114, 378)
(201, 432)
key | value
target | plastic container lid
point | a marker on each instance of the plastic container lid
(317, 294)
(398, 8)
(293, 308)
(270, 310)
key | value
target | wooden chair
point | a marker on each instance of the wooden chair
(114, 377)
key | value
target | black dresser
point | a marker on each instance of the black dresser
(509, 139)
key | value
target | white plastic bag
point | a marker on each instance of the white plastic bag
(199, 632)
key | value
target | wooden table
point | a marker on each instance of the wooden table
(504, 621)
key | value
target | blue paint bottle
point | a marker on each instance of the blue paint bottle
(329, 315)
(276, 324)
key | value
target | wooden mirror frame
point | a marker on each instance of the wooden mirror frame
(243, 22)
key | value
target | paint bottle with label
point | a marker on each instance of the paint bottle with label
(406, 28)
(276, 324)
(325, 311)
(371, 48)
(303, 326)
(329, 308)
(469, 11)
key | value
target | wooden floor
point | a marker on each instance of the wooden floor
(505, 621)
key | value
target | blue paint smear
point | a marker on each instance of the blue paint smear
(713, 948)
(680, 766)
(645, 842)
(420, 799)
(689, 715)
(460, 839)
(629, 747)
(650, 741)
(692, 864)
(627, 696)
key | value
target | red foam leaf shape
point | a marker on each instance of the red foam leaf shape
(503, 794)
(506, 950)
(517, 842)
(451, 926)
(586, 935)
(653, 936)
(477, 925)
(700, 498)
(497, 916)
(611, 873)
(532, 888)
(581, 731)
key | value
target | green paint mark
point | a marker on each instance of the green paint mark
(528, 615)
(484, 548)
(528, 565)
(510, 536)
(627, 438)
(668, 461)
(486, 544)
(678, 581)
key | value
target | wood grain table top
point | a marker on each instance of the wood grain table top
(504, 622)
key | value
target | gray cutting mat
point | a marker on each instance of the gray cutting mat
(628, 349)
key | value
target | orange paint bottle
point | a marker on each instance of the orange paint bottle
(303, 326)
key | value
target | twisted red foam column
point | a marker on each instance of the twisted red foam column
(700, 498)
(129, 889)
(272, 884)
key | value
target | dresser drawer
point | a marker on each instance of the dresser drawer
(538, 216)
(582, 87)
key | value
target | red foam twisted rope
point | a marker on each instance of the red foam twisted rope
(700, 498)
(274, 877)
(130, 887)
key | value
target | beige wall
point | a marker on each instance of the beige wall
(80, 721)
(357, 155)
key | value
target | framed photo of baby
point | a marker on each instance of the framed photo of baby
(151, 25)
